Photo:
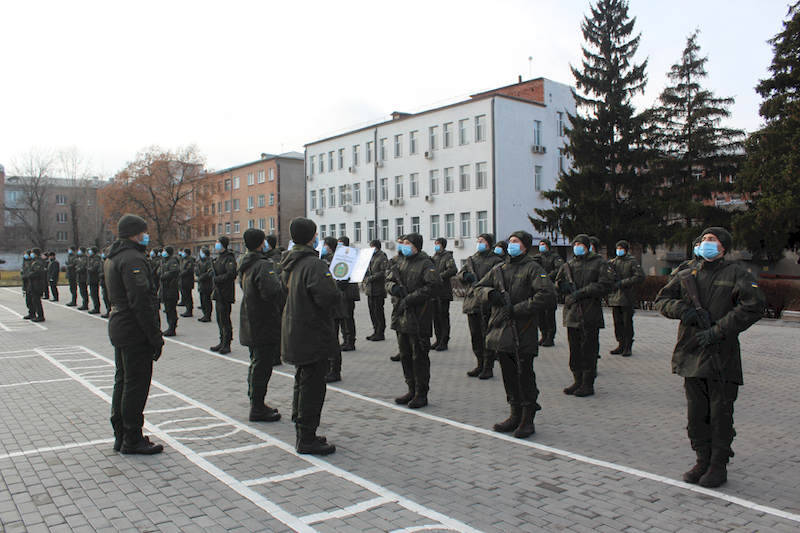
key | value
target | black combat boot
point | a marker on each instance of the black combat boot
(435, 344)
(488, 368)
(217, 347)
(475, 372)
(587, 385)
(225, 348)
(420, 399)
(396, 357)
(717, 473)
(405, 398)
(576, 385)
(94, 312)
(188, 313)
(510, 423)
(442, 345)
(169, 332)
(143, 446)
(29, 316)
(71, 304)
(119, 435)
(618, 350)
(628, 351)
(333, 375)
(259, 412)
(700, 467)
(309, 443)
(526, 427)
(378, 337)
(204, 318)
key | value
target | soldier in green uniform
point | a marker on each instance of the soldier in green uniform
(350, 295)
(308, 334)
(24, 274)
(413, 280)
(53, 270)
(272, 250)
(94, 264)
(169, 272)
(339, 315)
(103, 286)
(477, 266)
(375, 289)
(72, 275)
(393, 317)
(260, 321)
(517, 290)
(36, 277)
(224, 293)
(584, 280)
(446, 268)
(628, 275)
(82, 272)
(715, 300)
(187, 281)
(204, 270)
(551, 262)
(135, 333)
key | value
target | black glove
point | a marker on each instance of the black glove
(570, 299)
(698, 318)
(399, 291)
(566, 287)
(469, 277)
(496, 298)
(707, 337)
(158, 349)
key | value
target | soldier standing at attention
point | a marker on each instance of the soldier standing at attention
(350, 295)
(308, 334)
(24, 274)
(82, 271)
(93, 267)
(585, 280)
(204, 269)
(393, 318)
(375, 289)
(446, 268)
(260, 322)
(72, 275)
(413, 280)
(135, 333)
(53, 270)
(169, 273)
(517, 290)
(715, 300)
(36, 277)
(187, 282)
(551, 262)
(338, 313)
(628, 275)
(103, 286)
(477, 266)
(224, 293)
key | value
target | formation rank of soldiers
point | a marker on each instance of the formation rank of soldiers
(293, 310)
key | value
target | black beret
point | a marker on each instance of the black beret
(130, 225)
(224, 241)
(488, 237)
(302, 230)
(623, 244)
(272, 240)
(253, 238)
(442, 241)
(416, 240)
(722, 234)
(525, 237)
(583, 239)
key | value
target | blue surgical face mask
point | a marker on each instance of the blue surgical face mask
(325, 251)
(102, 256)
(266, 246)
(696, 250)
(26, 256)
(90, 252)
(69, 252)
(482, 246)
(315, 243)
(202, 255)
(498, 250)
(80, 252)
(620, 252)
(406, 250)
(579, 249)
(164, 254)
(543, 248)
(591, 247)
(339, 244)
(218, 247)
(152, 253)
(514, 249)
(709, 250)
(145, 239)
(437, 247)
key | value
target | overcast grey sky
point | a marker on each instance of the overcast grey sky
(243, 77)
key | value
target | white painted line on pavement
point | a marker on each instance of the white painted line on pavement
(236, 485)
(159, 395)
(8, 385)
(226, 451)
(350, 510)
(19, 356)
(104, 367)
(4, 327)
(18, 351)
(168, 409)
(177, 420)
(413, 529)
(22, 318)
(212, 437)
(283, 477)
(196, 428)
(37, 451)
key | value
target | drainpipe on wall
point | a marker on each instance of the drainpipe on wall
(494, 180)
(375, 180)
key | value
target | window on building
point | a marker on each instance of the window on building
(382, 149)
(322, 232)
(330, 159)
(433, 180)
(414, 224)
(61, 199)
(463, 178)
(371, 230)
(205, 209)
(312, 164)
(62, 236)
(483, 222)
(412, 142)
(398, 145)
(450, 225)
(322, 198)
(61, 218)
(322, 163)
(332, 197)
(228, 228)
(480, 175)
(435, 227)
(332, 230)
(227, 206)
(463, 131)
(398, 186)
(537, 132)
(236, 227)
(370, 191)
(560, 162)
(227, 184)
(251, 179)
(261, 175)
(340, 160)
(433, 132)
(356, 193)
(236, 182)
(384, 189)
(448, 179)
(356, 153)
(369, 152)
(466, 224)
(251, 223)
(219, 207)
(343, 229)
(447, 133)
(250, 202)
(384, 229)
(272, 224)
(560, 124)
(342, 194)
(413, 184)
(236, 204)
(272, 198)
(262, 199)
(312, 201)
(480, 128)
(537, 178)
(398, 227)
(357, 231)
(219, 229)
(262, 224)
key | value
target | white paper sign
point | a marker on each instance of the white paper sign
(362, 264)
(344, 259)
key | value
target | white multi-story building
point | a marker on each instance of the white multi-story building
(456, 171)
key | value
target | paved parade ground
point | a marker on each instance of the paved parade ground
(611, 462)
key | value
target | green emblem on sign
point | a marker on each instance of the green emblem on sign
(340, 270)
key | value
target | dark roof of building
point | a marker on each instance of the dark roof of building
(264, 157)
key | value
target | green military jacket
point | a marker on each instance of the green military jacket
(375, 279)
(530, 290)
(23, 274)
(593, 279)
(734, 302)
(551, 262)
(204, 270)
(479, 264)
(187, 272)
(72, 263)
(414, 313)
(628, 274)
(82, 268)
(36, 275)
(446, 268)
(262, 301)
(94, 266)
(168, 273)
(224, 277)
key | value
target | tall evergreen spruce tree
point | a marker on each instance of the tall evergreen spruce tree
(696, 154)
(772, 170)
(605, 194)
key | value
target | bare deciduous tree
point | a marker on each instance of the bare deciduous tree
(32, 210)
